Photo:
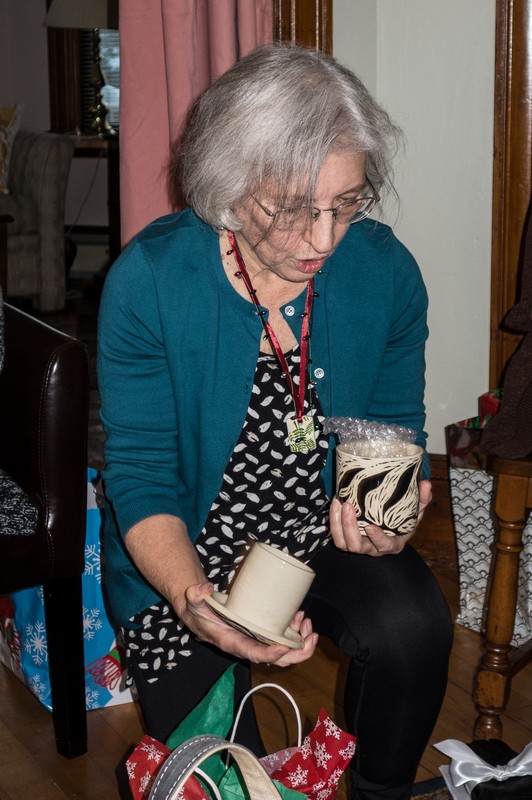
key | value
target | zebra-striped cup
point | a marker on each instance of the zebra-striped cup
(384, 489)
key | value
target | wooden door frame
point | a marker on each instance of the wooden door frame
(512, 170)
(304, 22)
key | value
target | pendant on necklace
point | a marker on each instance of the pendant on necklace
(301, 435)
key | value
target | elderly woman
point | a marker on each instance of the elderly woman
(228, 332)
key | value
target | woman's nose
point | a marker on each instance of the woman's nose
(320, 233)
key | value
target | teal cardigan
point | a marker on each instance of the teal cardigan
(177, 353)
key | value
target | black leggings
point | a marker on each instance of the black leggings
(389, 615)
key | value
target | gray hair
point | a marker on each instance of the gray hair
(273, 118)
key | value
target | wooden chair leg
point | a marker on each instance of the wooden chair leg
(64, 629)
(492, 683)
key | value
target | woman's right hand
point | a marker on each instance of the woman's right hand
(198, 616)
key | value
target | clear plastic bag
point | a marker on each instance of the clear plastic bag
(371, 439)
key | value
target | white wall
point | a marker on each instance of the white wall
(23, 60)
(24, 79)
(355, 38)
(431, 64)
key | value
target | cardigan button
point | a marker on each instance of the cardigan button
(319, 372)
(289, 311)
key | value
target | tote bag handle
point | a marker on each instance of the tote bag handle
(288, 697)
(182, 762)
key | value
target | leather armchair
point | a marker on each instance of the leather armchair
(44, 408)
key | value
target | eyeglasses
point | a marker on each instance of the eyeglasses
(300, 217)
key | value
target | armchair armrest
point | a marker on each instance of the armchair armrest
(44, 407)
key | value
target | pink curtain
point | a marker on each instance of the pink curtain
(170, 51)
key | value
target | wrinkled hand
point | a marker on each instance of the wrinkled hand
(209, 627)
(347, 535)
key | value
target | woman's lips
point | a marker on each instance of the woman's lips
(310, 265)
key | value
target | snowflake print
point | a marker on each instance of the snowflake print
(145, 782)
(154, 754)
(91, 698)
(37, 686)
(321, 755)
(131, 767)
(349, 751)
(335, 777)
(298, 777)
(91, 622)
(323, 794)
(35, 643)
(93, 563)
(271, 761)
(306, 749)
(331, 729)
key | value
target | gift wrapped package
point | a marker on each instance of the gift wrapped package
(23, 636)
(513, 787)
(487, 770)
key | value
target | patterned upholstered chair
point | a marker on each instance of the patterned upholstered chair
(38, 175)
(44, 407)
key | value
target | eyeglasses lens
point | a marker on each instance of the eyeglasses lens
(290, 219)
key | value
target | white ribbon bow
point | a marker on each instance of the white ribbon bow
(466, 767)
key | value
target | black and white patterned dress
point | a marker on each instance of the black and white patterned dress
(268, 493)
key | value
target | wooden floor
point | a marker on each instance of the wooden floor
(30, 769)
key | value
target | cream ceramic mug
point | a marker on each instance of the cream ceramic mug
(384, 489)
(269, 588)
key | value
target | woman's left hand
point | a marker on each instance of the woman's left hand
(347, 535)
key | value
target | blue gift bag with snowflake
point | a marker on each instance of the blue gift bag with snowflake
(23, 645)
